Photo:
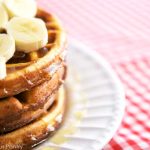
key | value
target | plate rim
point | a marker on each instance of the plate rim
(117, 83)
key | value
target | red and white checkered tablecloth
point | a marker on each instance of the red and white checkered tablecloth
(120, 31)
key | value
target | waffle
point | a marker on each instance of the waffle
(29, 105)
(30, 135)
(25, 71)
(32, 104)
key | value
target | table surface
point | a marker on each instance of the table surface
(119, 30)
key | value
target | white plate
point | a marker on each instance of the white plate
(96, 103)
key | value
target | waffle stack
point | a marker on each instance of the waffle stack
(32, 96)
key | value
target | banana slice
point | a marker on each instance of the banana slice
(21, 8)
(30, 34)
(7, 46)
(3, 17)
(3, 67)
(7, 49)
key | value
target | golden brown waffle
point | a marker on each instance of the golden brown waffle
(32, 134)
(27, 106)
(24, 71)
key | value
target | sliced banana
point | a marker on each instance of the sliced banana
(3, 17)
(21, 8)
(7, 46)
(30, 34)
(2, 68)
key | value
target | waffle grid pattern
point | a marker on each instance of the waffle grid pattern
(119, 30)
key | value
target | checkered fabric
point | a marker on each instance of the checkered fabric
(120, 31)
